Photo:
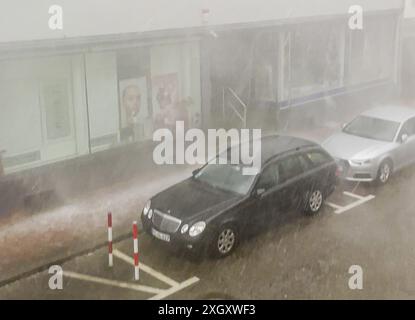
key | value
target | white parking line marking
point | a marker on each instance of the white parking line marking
(356, 186)
(114, 283)
(355, 204)
(174, 285)
(353, 195)
(360, 200)
(175, 289)
(334, 206)
(146, 269)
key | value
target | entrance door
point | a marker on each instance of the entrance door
(58, 130)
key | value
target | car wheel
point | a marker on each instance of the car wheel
(384, 172)
(225, 241)
(315, 200)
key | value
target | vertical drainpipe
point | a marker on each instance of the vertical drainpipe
(290, 32)
(398, 52)
(87, 104)
(205, 84)
(281, 76)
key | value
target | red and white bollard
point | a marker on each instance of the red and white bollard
(110, 258)
(135, 239)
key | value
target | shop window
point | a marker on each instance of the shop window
(265, 66)
(133, 74)
(54, 97)
(145, 89)
(372, 50)
(175, 82)
(316, 58)
(43, 123)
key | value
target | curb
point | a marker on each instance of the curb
(61, 261)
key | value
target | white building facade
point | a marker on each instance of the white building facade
(117, 71)
(408, 51)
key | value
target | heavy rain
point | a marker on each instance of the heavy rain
(112, 117)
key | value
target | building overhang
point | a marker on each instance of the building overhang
(90, 25)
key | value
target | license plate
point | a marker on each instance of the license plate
(160, 235)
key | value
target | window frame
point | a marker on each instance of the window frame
(261, 175)
(404, 129)
(296, 155)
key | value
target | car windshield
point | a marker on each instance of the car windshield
(228, 177)
(372, 128)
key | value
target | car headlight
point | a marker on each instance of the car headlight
(361, 162)
(197, 228)
(184, 228)
(147, 207)
(150, 213)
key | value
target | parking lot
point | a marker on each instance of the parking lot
(307, 258)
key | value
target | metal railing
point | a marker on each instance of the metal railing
(239, 112)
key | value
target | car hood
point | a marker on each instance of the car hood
(346, 146)
(190, 199)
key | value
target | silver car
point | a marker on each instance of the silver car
(375, 144)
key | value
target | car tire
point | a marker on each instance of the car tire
(224, 240)
(384, 172)
(314, 201)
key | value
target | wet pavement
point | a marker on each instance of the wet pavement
(31, 240)
(306, 258)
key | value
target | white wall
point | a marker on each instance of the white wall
(409, 9)
(22, 20)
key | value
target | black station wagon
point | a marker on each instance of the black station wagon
(219, 205)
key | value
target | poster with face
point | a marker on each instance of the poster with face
(133, 101)
(135, 120)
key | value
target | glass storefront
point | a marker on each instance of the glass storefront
(294, 64)
(326, 56)
(316, 58)
(65, 106)
(43, 113)
(372, 50)
(145, 89)
(265, 67)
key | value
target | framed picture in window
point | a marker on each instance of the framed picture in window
(134, 111)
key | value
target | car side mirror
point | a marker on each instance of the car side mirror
(259, 192)
(195, 172)
(404, 137)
